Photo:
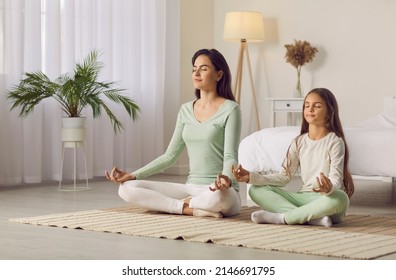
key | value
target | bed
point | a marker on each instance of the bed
(371, 143)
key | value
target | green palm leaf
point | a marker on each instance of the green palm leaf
(74, 92)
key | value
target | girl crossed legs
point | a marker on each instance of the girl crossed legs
(300, 207)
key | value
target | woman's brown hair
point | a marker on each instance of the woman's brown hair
(219, 62)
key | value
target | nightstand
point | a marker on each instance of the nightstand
(286, 105)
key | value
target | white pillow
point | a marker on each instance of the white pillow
(385, 119)
(265, 150)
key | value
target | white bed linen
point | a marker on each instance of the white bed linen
(372, 149)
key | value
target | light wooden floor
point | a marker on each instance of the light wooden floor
(29, 242)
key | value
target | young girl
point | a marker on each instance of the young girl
(322, 155)
(209, 127)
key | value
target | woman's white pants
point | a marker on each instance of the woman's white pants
(168, 197)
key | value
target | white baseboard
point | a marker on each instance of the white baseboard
(375, 178)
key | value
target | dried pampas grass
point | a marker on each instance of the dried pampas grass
(300, 53)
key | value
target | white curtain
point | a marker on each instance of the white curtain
(51, 35)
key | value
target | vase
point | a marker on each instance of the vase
(298, 90)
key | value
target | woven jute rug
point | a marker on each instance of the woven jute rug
(358, 237)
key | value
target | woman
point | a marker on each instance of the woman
(321, 153)
(209, 127)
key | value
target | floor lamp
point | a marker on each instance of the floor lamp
(244, 27)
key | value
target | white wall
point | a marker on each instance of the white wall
(190, 25)
(356, 58)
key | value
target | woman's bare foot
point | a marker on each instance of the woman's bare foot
(186, 208)
(198, 212)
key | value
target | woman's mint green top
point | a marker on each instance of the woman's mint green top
(212, 145)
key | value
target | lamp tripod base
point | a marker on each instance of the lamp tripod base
(244, 50)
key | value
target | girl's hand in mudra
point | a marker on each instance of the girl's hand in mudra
(324, 184)
(240, 174)
(119, 176)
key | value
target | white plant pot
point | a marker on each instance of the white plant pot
(73, 131)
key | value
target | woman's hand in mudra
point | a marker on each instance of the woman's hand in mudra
(119, 176)
(222, 183)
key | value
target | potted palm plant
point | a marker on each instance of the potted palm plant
(74, 92)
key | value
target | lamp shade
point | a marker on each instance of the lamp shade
(243, 25)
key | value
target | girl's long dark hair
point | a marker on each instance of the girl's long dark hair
(219, 62)
(333, 125)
